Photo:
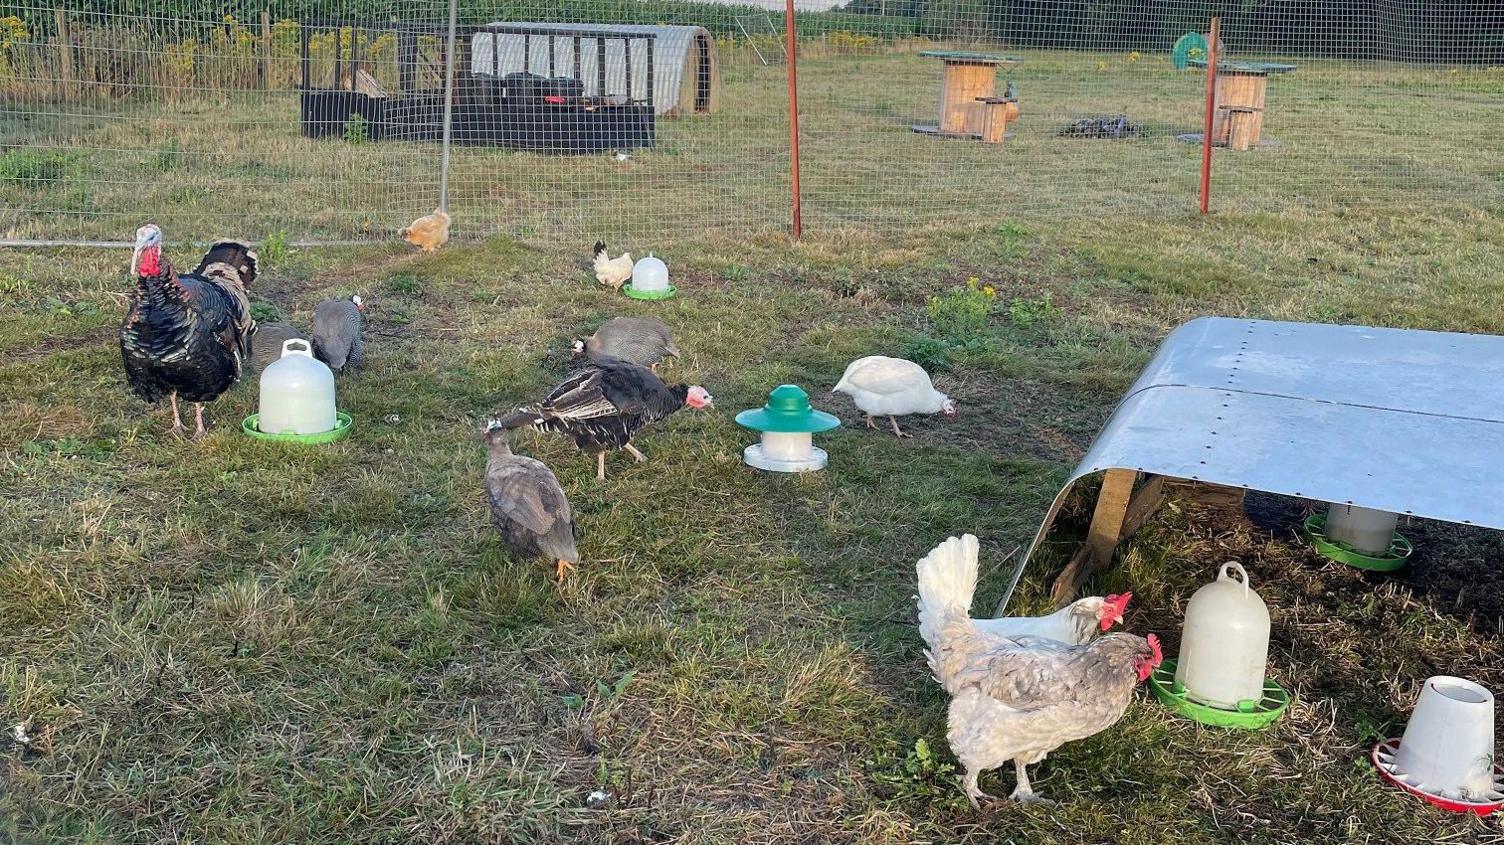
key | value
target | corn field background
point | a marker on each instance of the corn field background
(189, 114)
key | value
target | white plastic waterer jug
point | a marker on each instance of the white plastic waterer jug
(1369, 531)
(650, 275)
(1224, 648)
(297, 393)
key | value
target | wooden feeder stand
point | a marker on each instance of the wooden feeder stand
(1238, 116)
(968, 100)
(997, 113)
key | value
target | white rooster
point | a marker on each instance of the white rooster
(1077, 623)
(612, 272)
(892, 388)
(1017, 699)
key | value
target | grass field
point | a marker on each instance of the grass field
(233, 642)
(1379, 136)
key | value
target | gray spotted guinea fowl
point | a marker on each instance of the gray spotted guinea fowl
(528, 507)
(643, 341)
(336, 332)
(267, 340)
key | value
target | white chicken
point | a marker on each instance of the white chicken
(611, 272)
(1017, 699)
(892, 387)
(1077, 623)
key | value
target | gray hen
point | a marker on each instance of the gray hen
(266, 343)
(336, 332)
(528, 506)
(643, 341)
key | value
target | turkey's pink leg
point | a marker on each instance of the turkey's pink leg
(636, 455)
(894, 420)
(198, 419)
(177, 419)
(600, 466)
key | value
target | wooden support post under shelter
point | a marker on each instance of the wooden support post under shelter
(1119, 513)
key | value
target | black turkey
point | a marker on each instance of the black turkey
(528, 507)
(605, 404)
(186, 336)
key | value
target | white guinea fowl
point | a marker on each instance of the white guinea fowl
(892, 387)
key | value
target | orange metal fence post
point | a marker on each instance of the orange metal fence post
(1211, 107)
(789, 33)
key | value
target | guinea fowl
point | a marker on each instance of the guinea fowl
(336, 332)
(892, 387)
(528, 507)
(640, 340)
(186, 336)
(605, 404)
(267, 340)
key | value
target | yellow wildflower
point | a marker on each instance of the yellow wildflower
(989, 291)
(1133, 57)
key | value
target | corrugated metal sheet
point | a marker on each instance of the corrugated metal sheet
(672, 59)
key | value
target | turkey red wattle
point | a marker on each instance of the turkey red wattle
(149, 262)
(699, 398)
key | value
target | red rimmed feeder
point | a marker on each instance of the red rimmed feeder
(1446, 756)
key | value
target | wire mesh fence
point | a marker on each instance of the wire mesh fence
(322, 120)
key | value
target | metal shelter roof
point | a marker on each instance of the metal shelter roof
(1399, 420)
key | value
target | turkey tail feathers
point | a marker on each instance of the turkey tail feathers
(237, 258)
(520, 418)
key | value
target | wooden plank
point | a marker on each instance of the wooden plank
(266, 50)
(1102, 538)
(64, 50)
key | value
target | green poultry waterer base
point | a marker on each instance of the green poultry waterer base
(342, 425)
(1399, 548)
(1251, 715)
(649, 294)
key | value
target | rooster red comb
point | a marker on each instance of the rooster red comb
(1159, 656)
(1113, 607)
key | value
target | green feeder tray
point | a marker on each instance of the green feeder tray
(787, 412)
(341, 429)
(649, 294)
(1250, 715)
(1399, 548)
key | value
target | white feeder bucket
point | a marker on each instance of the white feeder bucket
(297, 393)
(1448, 747)
(1224, 648)
(786, 452)
(1368, 531)
(650, 275)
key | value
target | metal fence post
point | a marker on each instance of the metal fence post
(789, 37)
(449, 107)
(1211, 108)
